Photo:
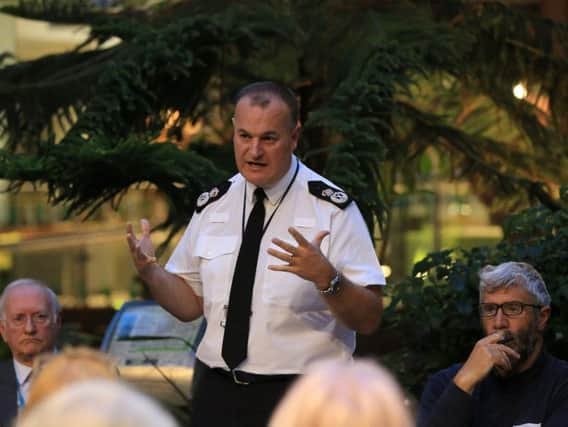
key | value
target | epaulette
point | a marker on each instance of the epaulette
(212, 195)
(326, 192)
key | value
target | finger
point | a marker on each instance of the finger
(283, 267)
(319, 238)
(505, 362)
(145, 225)
(132, 242)
(131, 238)
(509, 351)
(495, 337)
(284, 245)
(298, 237)
(280, 255)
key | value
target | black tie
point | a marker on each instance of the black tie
(235, 338)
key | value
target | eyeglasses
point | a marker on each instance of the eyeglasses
(511, 308)
(19, 320)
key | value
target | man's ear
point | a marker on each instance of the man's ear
(296, 134)
(543, 317)
(58, 322)
(3, 329)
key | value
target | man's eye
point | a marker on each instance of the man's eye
(244, 136)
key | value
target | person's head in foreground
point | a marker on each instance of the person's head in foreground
(515, 303)
(343, 394)
(54, 371)
(97, 403)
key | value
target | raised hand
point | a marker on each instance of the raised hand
(141, 250)
(486, 354)
(305, 260)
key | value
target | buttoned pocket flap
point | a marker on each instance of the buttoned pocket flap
(218, 217)
(304, 222)
(209, 247)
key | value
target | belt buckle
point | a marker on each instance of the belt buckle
(236, 380)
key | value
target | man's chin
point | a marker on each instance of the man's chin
(32, 349)
(515, 368)
(504, 373)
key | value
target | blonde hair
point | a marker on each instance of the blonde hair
(97, 403)
(54, 371)
(344, 394)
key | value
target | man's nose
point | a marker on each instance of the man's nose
(501, 321)
(29, 326)
(256, 148)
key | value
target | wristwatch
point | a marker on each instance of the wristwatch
(334, 286)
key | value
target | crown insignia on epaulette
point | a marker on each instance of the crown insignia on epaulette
(326, 192)
(211, 196)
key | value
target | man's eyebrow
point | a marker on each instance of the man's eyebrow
(270, 133)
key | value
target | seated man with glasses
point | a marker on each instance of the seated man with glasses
(508, 378)
(29, 323)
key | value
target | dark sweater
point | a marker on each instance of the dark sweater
(8, 386)
(536, 397)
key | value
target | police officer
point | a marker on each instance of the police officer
(277, 259)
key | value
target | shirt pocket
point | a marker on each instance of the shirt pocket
(217, 257)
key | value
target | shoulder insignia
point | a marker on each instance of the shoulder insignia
(333, 195)
(211, 196)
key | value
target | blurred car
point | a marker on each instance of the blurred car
(154, 351)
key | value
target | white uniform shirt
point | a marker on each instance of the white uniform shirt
(291, 325)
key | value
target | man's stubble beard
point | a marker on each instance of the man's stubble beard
(524, 343)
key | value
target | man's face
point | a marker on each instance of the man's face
(264, 140)
(29, 326)
(525, 329)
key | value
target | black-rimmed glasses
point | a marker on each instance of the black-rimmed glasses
(511, 308)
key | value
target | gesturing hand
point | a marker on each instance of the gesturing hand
(305, 260)
(142, 251)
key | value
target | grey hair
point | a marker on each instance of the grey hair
(261, 93)
(53, 302)
(513, 273)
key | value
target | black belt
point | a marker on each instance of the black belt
(246, 378)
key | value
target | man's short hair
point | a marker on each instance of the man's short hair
(261, 93)
(53, 302)
(513, 273)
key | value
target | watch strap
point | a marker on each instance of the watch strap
(334, 285)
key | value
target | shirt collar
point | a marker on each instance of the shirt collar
(274, 192)
(22, 371)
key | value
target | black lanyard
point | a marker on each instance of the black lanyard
(277, 205)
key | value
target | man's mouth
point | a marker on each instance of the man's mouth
(507, 339)
(256, 164)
